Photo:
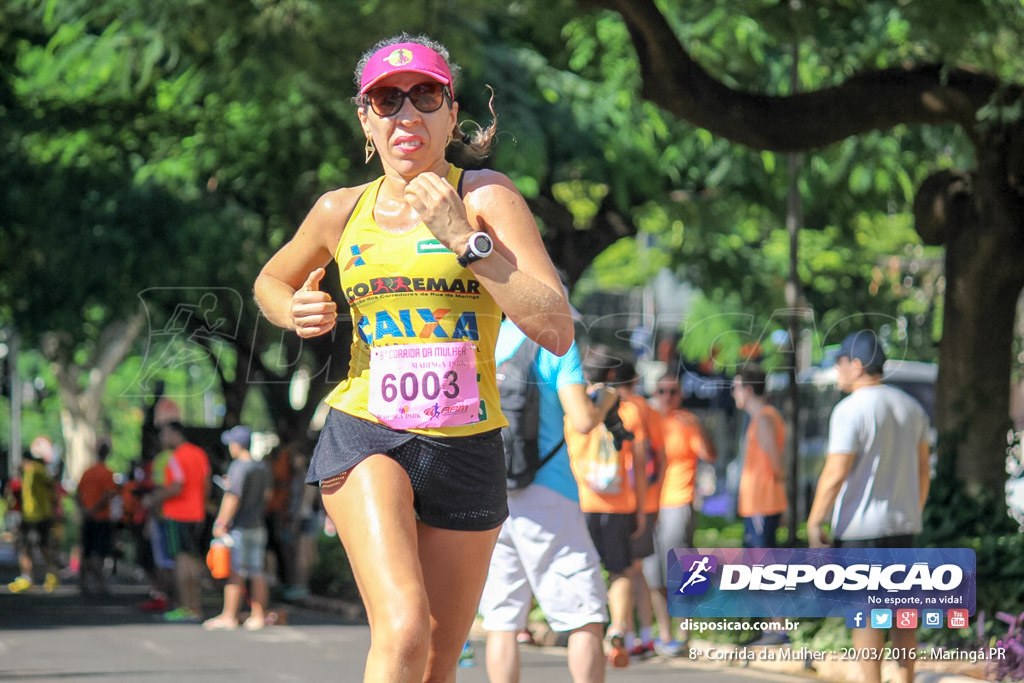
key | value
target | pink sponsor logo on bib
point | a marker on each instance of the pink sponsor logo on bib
(421, 386)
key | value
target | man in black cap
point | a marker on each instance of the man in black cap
(876, 474)
(240, 523)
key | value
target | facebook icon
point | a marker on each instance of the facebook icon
(856, 618)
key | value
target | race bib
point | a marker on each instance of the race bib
(419, 386)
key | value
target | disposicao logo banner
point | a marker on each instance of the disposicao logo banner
(818, 582)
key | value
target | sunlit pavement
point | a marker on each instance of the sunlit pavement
(65, 637)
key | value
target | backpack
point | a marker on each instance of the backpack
(598, 465)
(520, 403)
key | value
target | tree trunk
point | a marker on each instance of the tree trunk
(78, 428)
(980, 219)
(81, 402)
(972, 411)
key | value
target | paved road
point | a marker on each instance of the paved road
(65, 637)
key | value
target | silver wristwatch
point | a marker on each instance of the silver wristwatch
(479, 246)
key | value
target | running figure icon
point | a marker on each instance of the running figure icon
(696, 570)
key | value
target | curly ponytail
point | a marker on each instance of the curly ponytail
(476, 144)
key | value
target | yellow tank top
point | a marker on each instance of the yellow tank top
(406, 288)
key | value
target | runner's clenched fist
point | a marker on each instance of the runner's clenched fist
(441, 210)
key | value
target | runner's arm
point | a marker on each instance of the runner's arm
(766, 439)
(701, 442)
(292, 268)
(833, 474)
(662, 460)
(228, 508)
(582, 412)
(519, 274)
(924, 471)
(638, 461)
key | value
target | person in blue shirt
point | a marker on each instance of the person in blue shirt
(544, 549)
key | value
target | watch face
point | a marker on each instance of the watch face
(482, 244)
(479, 247)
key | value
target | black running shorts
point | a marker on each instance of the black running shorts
(458, 482)
(183, 537)
(611, 533)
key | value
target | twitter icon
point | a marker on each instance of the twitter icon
(881, 618)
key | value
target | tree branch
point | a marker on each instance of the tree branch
(942, 205)
(562, 239)
(928, 93)
(117, 340)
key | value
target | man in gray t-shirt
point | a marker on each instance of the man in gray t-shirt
(877, 472)
(876, 475)
(240, 523)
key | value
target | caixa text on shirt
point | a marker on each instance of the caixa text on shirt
(799, 582)
(424, 323)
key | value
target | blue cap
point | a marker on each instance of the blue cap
(241, 435)
(865, 347)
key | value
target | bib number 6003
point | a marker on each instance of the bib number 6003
(411, 386)
(424, 386)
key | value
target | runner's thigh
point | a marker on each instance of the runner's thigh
(373, 511)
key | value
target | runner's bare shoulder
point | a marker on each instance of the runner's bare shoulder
(485, 184)
(329, 216)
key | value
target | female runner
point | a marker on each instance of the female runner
(410, 461)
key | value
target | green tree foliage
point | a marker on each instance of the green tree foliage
(160, 152)
(903, 71)
(167, 149)
(723, 225)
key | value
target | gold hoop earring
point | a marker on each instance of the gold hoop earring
(451, 136)
(369, 149)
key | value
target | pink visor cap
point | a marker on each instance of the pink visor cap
(405, 57)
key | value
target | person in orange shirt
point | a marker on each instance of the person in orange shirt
(95, 490)
(601, 463)
(685, 442)
(625, 379)
(762, 494)
(182, 501)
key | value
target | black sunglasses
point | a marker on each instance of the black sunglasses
(426, 97)
(667, 391)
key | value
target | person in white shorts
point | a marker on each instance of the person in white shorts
(544, 549)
